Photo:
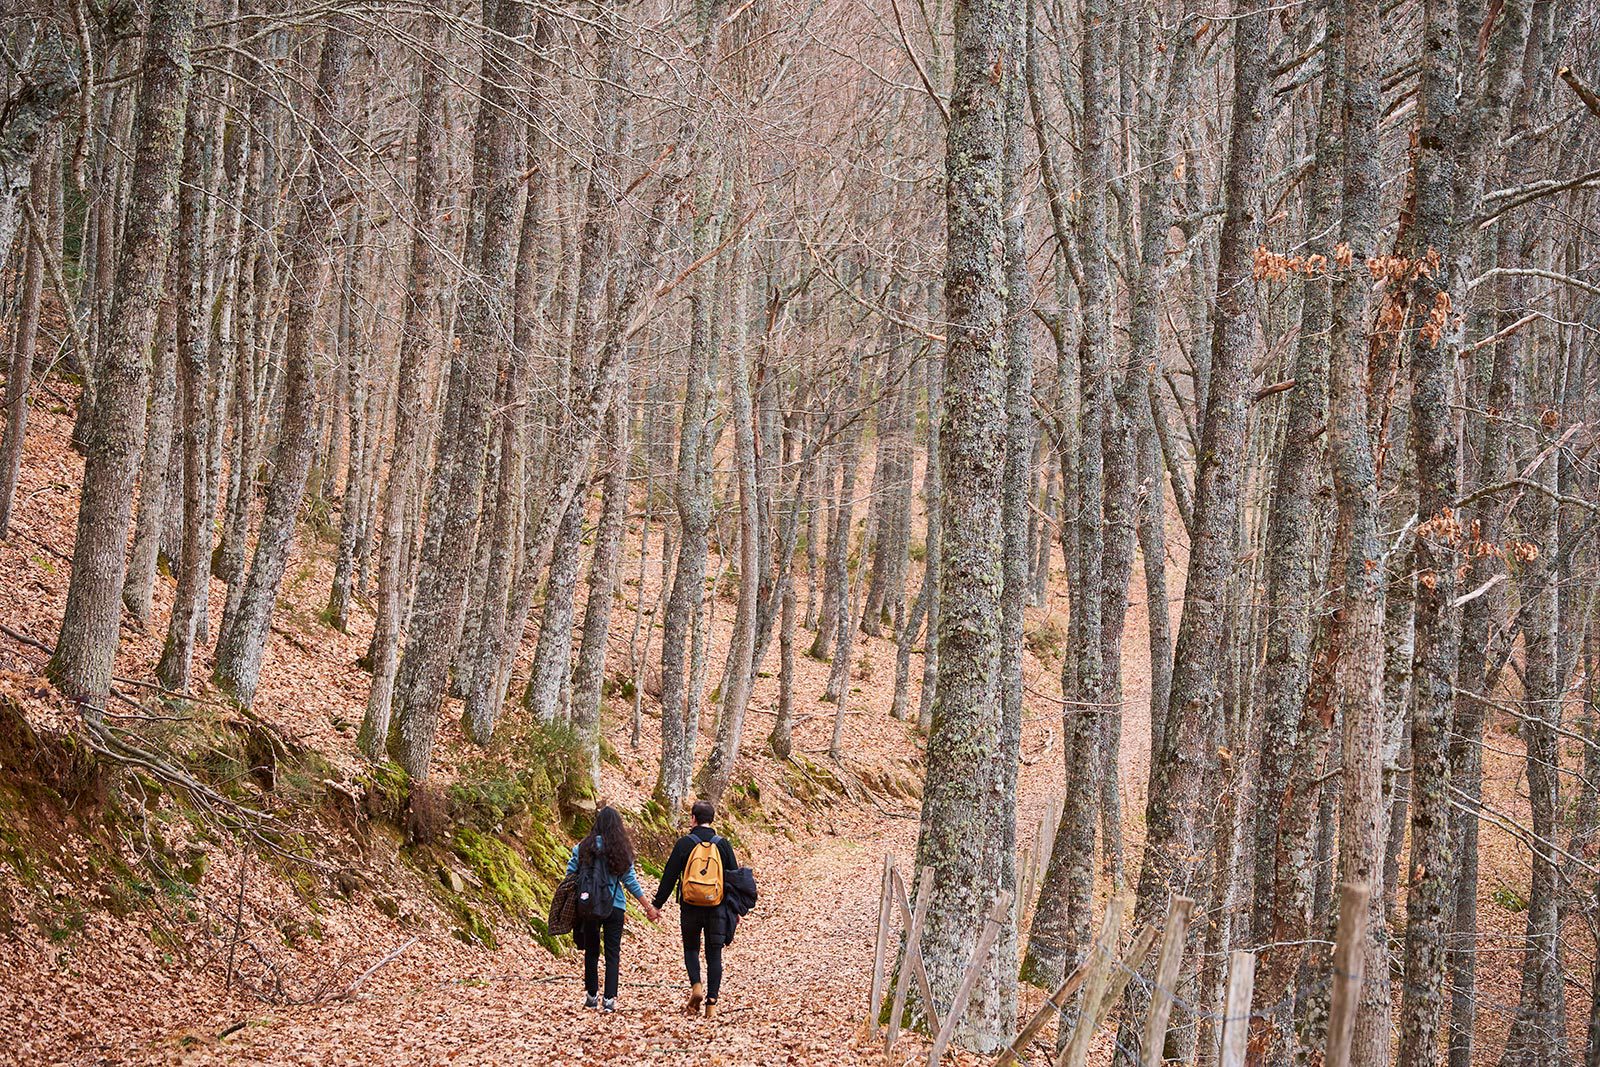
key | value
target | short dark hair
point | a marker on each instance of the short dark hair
(703, 812)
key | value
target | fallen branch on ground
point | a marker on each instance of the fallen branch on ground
(350, 989)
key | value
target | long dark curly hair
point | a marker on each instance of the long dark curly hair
(617, 846)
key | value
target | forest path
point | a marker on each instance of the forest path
(794, 989)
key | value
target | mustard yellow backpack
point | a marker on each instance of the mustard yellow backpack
(702, 875)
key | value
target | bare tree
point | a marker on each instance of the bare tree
(81, 666)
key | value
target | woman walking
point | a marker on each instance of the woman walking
(603, 862)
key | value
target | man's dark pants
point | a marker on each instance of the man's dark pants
(706, 922)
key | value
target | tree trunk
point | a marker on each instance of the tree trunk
(194, 371)
(958, 838)
(1538, 1032)
(933, 555)
(457, 481)
(1180, 770)
(19, 379)
(36, 97)
(836, 584)
(1438, 621)
(1357, 638)
(739, 677)
(836, 626)
(352, 508)
(416, 339)
(781, 740)
(81, 666)
(155, 466)
(1017, 489)
(588, 676)
(243, 640)
(552, 656)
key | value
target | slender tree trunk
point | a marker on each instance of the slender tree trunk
(244, 638)
(155, 467)
(1180, 770)
(552, 656)
(352, 509)
(1017, 488)
(1538, 1032)
(457, 481)
(81, 666)
(1357, 638)
(739, 677)
(416, 338)
(588, 676)
(933, 506)
(194, 373)
(1438, 620)
(781, 740)
(836, 585)
(839, 674)
(907, 631)
(840, 641)
(1048, 520)
(19, 379)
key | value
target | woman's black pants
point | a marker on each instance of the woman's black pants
(607, 931)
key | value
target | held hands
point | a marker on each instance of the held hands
(651, 912)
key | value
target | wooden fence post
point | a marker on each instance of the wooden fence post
(910, 960)
(914, 960)
(1024, 881)
(1132, 960)
(1104, 954)
(1167, 967)
(1045, 845)
(1349, 961)
(885, 907)
(1236, 1015)
(980, 955)
(1052, 1005)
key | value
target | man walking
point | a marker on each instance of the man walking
(695, 870)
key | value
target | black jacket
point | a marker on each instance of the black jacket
(738, 897)
(680, 856)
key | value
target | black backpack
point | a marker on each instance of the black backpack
(596, 899)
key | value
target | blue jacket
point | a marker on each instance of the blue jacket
(629, 880)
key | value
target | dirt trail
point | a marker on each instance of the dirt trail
(115, 992)
(793, 993)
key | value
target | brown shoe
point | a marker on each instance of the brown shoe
(697, 994)
(711, 1009)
